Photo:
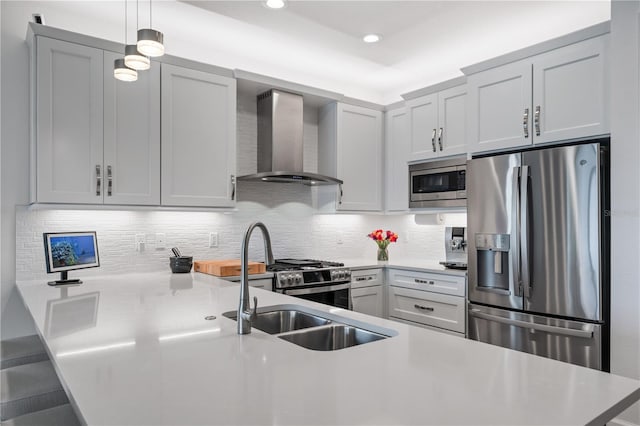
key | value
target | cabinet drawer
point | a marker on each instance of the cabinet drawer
(438, 310)
(428, 327)
(438, 283)
(366, 278)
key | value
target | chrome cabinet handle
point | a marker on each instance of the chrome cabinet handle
(364, 278)
(433, 140)
(109, 181)
(419, 281)
(440, 138)
(233, 187)
(536, 120)
(98, 180)
(423, 308)
(340, 194)
(525, 122)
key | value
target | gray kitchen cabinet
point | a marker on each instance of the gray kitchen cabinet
(350, 148)
(396, 155)
(263, 283)
(437, 124)
(558, 95)
(96, 139)
(367, 291)
(131, 136)
(67, 120)
(428, 299)
(198, 138)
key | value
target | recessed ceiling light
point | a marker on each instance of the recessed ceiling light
(274, 4)
(371, 38)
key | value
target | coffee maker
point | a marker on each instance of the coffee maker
(455, 246)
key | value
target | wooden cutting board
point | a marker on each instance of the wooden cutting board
(226, 268)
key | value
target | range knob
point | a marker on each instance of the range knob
(290, 279)
(282, 279)
(298, 278)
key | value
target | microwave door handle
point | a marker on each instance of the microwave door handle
(514, 251)
(524, 230)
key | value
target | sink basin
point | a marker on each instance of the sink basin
(282, 321)
(332, 338)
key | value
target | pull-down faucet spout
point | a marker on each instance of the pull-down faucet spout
(245, 313)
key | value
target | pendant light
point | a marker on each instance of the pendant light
(133, 58)
(120, 70)
(150, 40)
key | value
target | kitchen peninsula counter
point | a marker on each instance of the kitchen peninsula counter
(136, 349)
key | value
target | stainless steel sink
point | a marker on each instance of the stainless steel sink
(332, 338)
(315, 330)
(282, 321)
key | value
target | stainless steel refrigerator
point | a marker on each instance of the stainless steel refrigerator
(538, 250)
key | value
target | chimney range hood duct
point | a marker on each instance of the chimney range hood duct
(280, 141)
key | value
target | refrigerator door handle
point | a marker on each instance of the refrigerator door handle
(585, 334)
(515, 242)
(524, 231)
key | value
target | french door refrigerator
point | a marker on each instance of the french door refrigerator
(538, 249)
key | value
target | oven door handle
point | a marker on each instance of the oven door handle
(313, 290)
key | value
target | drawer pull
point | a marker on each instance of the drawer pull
(424, 308)
(369, 278)
(419, 281)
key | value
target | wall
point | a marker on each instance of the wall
(625, 196)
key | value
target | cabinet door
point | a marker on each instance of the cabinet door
(397, 153)
(570, 94)
(423, 126)
(452, 121)
(367, 300)
(69, 123)
(359, 158)
(198, 138)
(131, 136)
(499, 111)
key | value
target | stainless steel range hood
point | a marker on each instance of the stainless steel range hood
(280, 141)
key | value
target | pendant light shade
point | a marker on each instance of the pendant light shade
(123, 72)
(150, 42)
(133, 58)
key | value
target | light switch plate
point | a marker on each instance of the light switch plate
(213, 239)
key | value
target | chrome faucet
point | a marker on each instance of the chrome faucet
(245, 314)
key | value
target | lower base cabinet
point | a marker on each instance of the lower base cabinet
(367, 291)
(368, 300)
(428, 300)
(263, 283)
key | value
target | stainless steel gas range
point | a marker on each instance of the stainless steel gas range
(315, 280)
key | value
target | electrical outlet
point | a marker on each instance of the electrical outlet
(340, 237)
(213, 239)
(140, 240)
(160, 240)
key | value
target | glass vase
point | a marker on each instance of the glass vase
(383, 255)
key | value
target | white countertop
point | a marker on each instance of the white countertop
(419, 265)
(136, 350)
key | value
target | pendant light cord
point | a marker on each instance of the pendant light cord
(125, 22)
(137, 24)
(150, 14)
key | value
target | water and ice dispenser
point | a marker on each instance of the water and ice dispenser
(493, 261)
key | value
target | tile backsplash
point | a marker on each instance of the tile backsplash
(286, 209)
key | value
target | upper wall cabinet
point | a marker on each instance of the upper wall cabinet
(350, 139)
(95, 139)
(437, 124)
(198, 138)
(397, 145)
(554, 96)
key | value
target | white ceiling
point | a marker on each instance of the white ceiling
(424, 42)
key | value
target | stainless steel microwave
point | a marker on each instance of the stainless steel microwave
(438, 183)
